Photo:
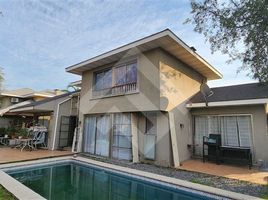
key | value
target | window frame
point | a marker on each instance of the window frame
(112, 68)
(227, 115)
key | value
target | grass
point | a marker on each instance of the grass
(5, 195)
(266, 195)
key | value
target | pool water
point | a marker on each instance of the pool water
(78, 181)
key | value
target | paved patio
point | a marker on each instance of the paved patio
(8, 154)
(228, 171)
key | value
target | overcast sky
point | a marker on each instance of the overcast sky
(39, 39)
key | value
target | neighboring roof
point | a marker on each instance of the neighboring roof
(166, 40)
(76, 83)
(252, 93)
(7, 109)
(25, 93)
(32, 105)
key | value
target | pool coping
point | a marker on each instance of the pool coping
(177, 182)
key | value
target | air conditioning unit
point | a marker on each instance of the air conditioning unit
(14, 100)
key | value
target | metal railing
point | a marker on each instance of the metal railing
(116, 90)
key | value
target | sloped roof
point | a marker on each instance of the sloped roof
(251, 91)
(7, 109)
(166, 40)
(26, 93)
(37, 103)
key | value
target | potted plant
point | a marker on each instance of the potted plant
(22, 133)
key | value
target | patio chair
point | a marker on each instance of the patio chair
(39, 139)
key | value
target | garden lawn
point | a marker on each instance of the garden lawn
(5, 195)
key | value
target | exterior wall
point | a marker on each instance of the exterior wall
(37, 98)
(146, 99)
(259, 125)
(165, 84)
(6, 101)
(163, 154)
(178, 83)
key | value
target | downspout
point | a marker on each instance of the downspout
(56, 122)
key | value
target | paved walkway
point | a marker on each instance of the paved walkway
(228, 171)
(14, 155)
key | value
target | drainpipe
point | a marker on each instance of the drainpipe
(56, 122)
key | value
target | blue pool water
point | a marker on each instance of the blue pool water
(75, 180)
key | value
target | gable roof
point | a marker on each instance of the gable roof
(252, 93)
(166, 40)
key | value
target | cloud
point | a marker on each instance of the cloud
(40, 38)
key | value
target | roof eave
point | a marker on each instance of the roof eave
(76, 69)
(228, 103)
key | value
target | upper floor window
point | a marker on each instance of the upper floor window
(115, 81)
(103, 80)
(125, 74)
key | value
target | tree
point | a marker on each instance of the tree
(1, 70)
(1, 78)
(238, 28)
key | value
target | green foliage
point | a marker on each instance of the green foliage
(5, 195)
(3, 131)
(22, 132)
(11, 131)
(266, 194)
(238, 28)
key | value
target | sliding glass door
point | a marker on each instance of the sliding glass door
(101, 130)
(236, 131)
(103, 136)
(122, 144)
(97, 135)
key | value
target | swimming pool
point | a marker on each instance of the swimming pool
(79, 180)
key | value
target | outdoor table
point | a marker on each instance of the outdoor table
(28, 142)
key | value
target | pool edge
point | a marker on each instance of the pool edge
(135, 172)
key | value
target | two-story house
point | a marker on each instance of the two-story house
(136, 103)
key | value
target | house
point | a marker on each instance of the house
(238, 113)
(141, 102)
(60, 112)
(10, 99)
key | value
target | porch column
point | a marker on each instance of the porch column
(174, 142)
(135, 143)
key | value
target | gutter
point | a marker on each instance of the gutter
(228, 103)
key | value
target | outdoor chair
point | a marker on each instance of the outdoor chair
(39, 139)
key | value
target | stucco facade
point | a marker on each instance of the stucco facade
(164, 85)
(259, 125)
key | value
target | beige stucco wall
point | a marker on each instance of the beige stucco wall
(163, 153)
(146, 99)
(165, 84)
(178, 83)
(259, 125)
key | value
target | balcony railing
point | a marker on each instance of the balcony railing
(116, 90)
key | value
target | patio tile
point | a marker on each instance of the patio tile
(14, 155)
(228, 171)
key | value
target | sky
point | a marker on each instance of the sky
(40, 38)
